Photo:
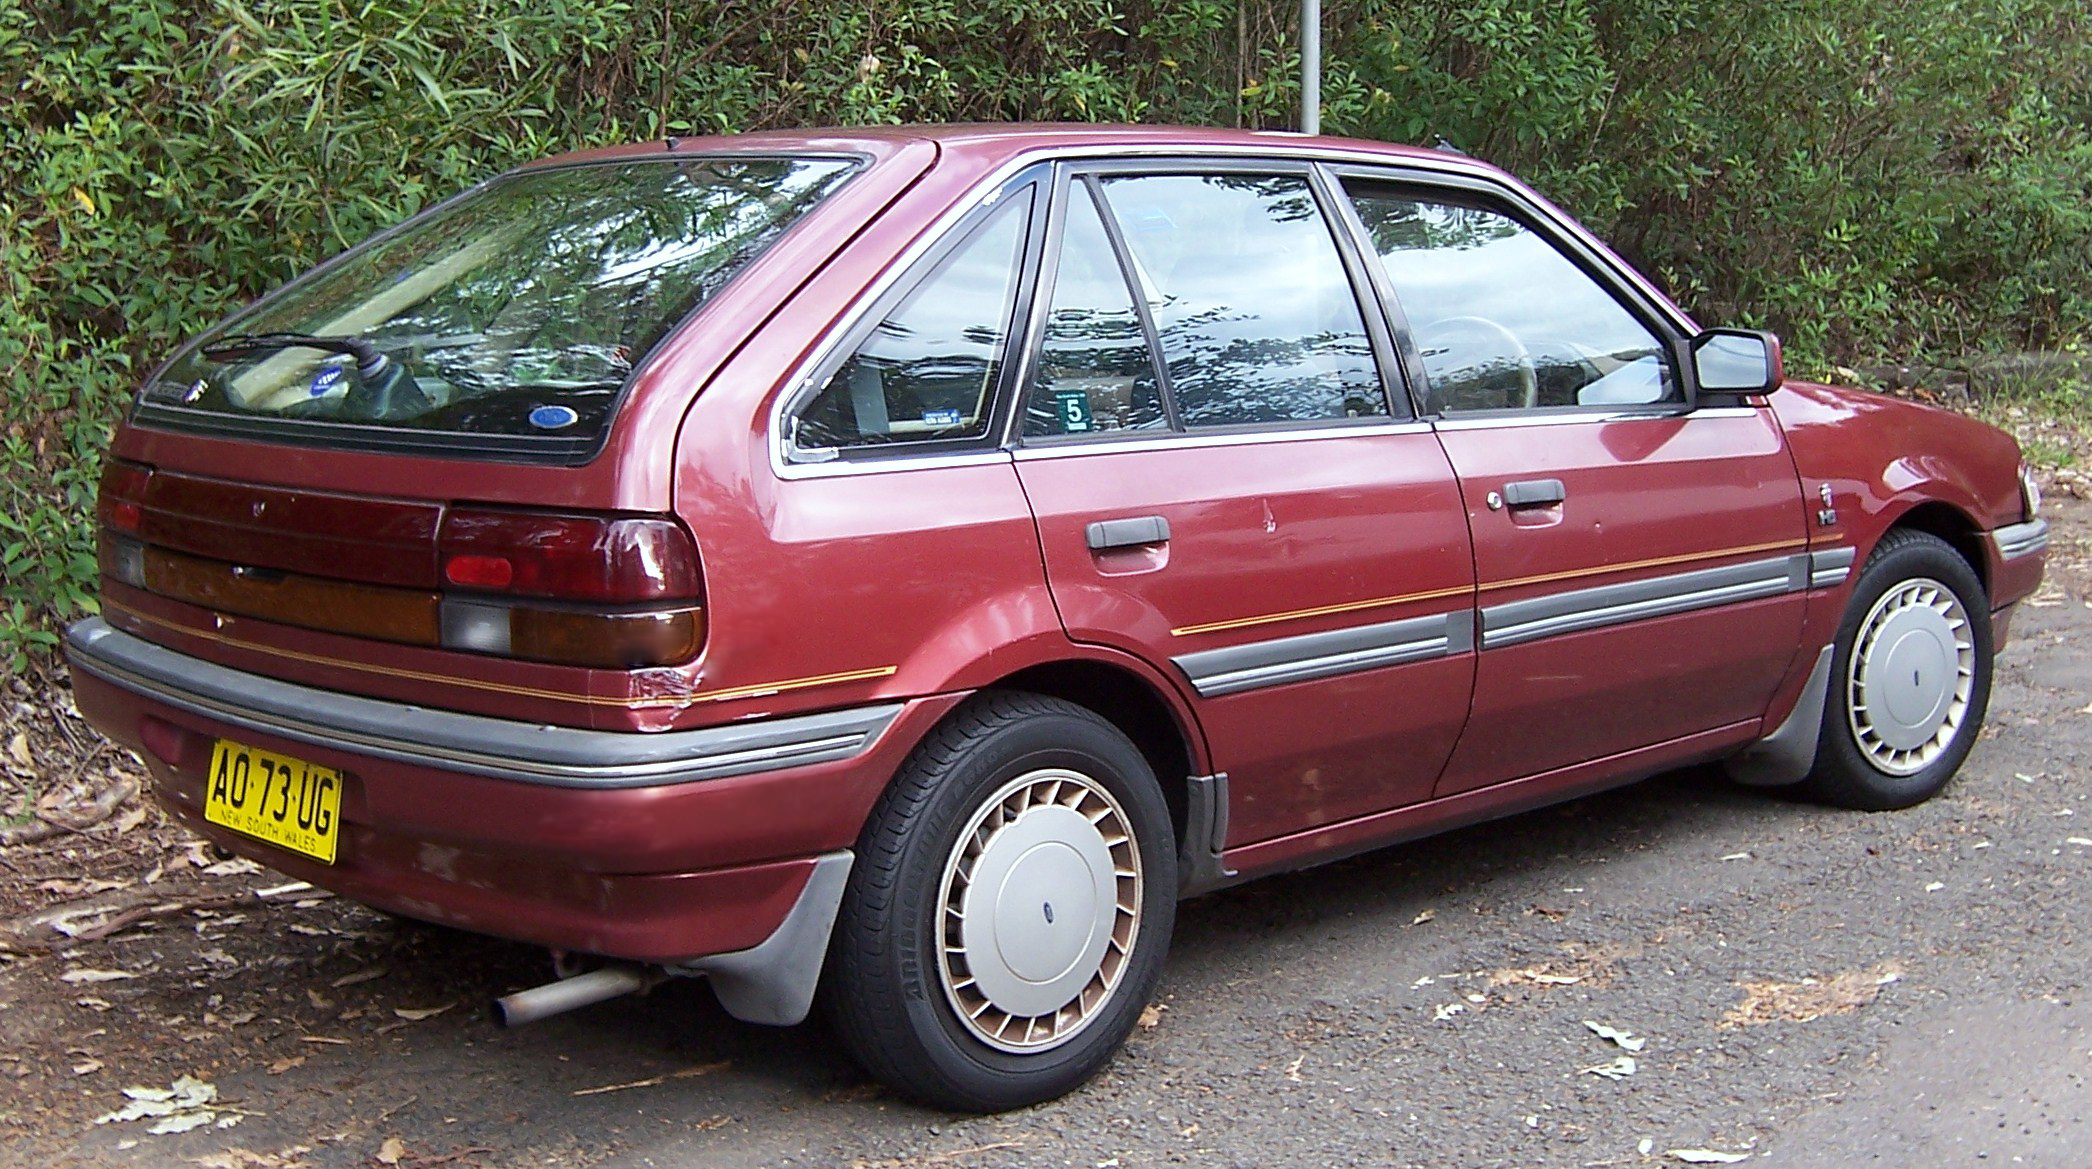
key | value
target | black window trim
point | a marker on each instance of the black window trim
(1484, 195)
(1358, 275)
(1028, 183)
(532, 450)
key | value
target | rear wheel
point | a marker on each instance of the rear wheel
(1910, 678)
(1009, 910)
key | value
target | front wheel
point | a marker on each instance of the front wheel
(1009, 910)
(1910, 678)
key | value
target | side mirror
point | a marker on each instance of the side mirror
(1737, 361)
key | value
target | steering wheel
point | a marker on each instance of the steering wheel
(1434, 338)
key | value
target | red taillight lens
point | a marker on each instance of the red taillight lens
(614, 559)
(479, 572)
(121, 502)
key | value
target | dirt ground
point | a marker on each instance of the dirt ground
(260, 1023)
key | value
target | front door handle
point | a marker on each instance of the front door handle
(1534, 492)
(1131, 532)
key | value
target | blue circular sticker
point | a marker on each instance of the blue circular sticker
(326, 378)
(553, 417)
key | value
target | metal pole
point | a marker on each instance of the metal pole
(1311, 66)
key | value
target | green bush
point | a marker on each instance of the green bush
(1872, 179)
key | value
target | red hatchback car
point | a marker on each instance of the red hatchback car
(897, 566)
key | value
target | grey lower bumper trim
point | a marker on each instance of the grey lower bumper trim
(475, 744)
(2016, 540)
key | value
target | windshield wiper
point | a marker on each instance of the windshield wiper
(383, 390)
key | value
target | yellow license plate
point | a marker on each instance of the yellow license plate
(287, 802)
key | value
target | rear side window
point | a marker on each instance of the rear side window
(929, 368)
(517, 311)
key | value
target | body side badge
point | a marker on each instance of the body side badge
(1827, 515)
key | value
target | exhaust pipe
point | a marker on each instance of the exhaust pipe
(555, 998)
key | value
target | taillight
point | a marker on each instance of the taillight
(120, 506)
(614, 559)
(615, 592)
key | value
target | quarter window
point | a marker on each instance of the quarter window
(1503, 319)
(928, 370)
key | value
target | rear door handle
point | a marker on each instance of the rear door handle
(1127, 533)
(1534, 492)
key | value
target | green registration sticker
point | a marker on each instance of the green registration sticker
(1073, 406)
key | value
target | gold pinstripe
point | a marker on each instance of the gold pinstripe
(1491, 586)
(508, 688)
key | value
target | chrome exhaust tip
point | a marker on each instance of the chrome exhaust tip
(567, 994)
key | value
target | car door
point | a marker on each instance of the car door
(1640, 556)
(1247, 511)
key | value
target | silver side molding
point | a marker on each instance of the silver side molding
(2016, 540)
(1830, 566)
(1307, 656)
(1618, 604)
(475, 744)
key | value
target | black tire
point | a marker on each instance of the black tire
(893, 990)
(1857, 765)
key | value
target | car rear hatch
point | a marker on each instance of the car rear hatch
(482, 519)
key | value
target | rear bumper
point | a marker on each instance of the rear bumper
(668, 847)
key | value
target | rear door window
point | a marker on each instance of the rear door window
(1233, 277)
(1256, 318)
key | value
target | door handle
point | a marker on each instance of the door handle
(1534, 492)
(1127, 533)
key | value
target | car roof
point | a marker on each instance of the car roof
(987, 145)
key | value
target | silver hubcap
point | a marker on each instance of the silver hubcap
(1041, 901)
(1912, 670)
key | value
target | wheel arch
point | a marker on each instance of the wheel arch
(1160, 728)
(1951, 525)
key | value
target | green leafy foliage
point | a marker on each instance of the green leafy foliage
(1903, 177)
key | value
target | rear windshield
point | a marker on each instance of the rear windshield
(508, 319)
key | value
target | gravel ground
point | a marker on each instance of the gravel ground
(1804, 986)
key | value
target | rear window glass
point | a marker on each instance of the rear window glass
(515, 313)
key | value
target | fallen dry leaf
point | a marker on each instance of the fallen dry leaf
(359, 976)
(1811, 998)
(391, 1151)
(1619, 1069)
(80, 977)
(1706, 1156)
(285, 1064)
(1151, 1017)
(417, 1014)
(1626, 1040)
